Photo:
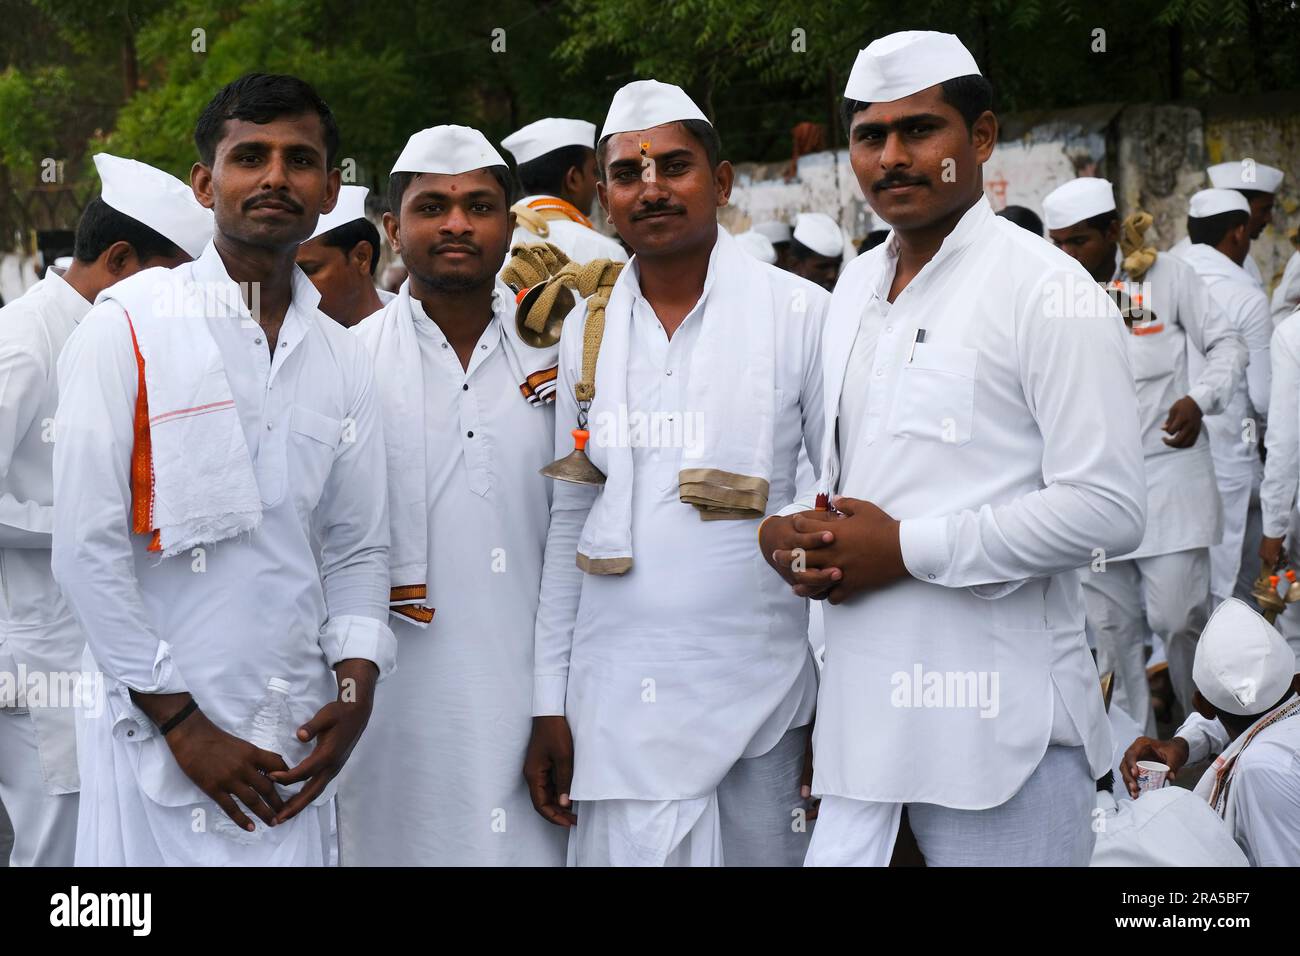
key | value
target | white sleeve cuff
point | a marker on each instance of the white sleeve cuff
(548, 695)
(351, 635)
(1275, 525)
(166, 678)
(1202, 396)
(924, 543)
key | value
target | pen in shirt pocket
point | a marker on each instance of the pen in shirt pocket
(917, 339)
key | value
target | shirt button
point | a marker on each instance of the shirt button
(889, 328)
(470, 434)
(880, 371)
(268, 426)
(444, 345)
(482, 346)
(670, 371)
(464, 388)
(931, 577)
(257, 341)
(130, 733)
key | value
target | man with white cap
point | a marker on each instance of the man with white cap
(981, 432)
(340, 258)
(142, 218)
(1162, 587)
(436, 780)
(1245, 676)
(758, 246)
(817, 249)
(1258, 184)
(779, 234)
(674, 682)
(556, 163)
(229, 572)
(1218, 224)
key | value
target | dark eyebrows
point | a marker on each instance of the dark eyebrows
(898, 125)
(473, 195)
(635, 163)
(261, 147)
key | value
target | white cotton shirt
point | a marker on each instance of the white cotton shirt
(1168, 827)
(1008, 446)
(1265, 796)
(437, 780)
(1180, 321)
(580, 243)
(1278, 490)
(1233, 441)
(222, 620)
(1286, 297)
(699, 654)
(1249, 266)
(37, 629)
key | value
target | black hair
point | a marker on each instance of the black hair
(971, 96)
(799, 251)
(347, 236)
(874, 238)
(1106, 782)
(101, 225)
(546, 173)
(398, 183)
(1101, 222)
(1210, 230)
(702, 130)
(261, 98)
(1252, 194)
(1025, 218)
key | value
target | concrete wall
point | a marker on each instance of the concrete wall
(1155, 154)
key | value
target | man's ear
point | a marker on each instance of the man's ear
(600, 194)
(1112, 230)
(984, 135)
(393, 233)
(335, 180)
(1203, 706)
(201, 184)
(723, 178)
(359, 257)
(572, 182)
(120, 259)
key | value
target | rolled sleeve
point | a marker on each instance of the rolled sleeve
(353, 636)
(924, 543)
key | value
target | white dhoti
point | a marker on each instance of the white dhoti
(1046, 823)
(1164, 594)
(755, 817)
(44, 823)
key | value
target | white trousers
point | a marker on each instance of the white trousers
(1166, 594)
(1047, 823)
(755, 817)
(45, 824)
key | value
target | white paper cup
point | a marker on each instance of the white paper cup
(1151, 775)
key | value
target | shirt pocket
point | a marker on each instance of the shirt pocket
(314, 442)
(1150, 353)
(935, 397)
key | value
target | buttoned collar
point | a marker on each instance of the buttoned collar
(972, 223)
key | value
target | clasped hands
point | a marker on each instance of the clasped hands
(834, 555)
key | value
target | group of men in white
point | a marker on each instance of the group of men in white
(291, 535)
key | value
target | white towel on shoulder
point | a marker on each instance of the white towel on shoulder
(726, 471)
(192, 475)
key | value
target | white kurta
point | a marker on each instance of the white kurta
(38, 635)
(1169, 827)
(1286, 297)
(1235, 432)
(1278, 491)
(1182, 499)
(1249, 266)
(438, 779)
(580, 243)
(221, 620)
(1007, 443)
(698, 655)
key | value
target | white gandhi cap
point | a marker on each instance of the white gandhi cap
(1245, 174)
(158, 200)
(547, 135)
(775, 231)
(1077, 200)
(350, 207)
(758, 246)
(448, 150)
(820, 233)
(645, 104)
(1243, 666)
(905, 63)
(1212, 202)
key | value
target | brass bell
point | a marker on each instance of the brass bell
(549, 334)
(1293, 590)
(1265, 594)
(576, 466)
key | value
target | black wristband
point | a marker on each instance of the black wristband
(176, 718)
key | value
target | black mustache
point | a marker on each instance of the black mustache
(656, 210)
(897, 179)
(293, 205)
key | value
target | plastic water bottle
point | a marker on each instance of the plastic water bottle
(267, 728)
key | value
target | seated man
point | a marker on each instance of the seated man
(1254, 784)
